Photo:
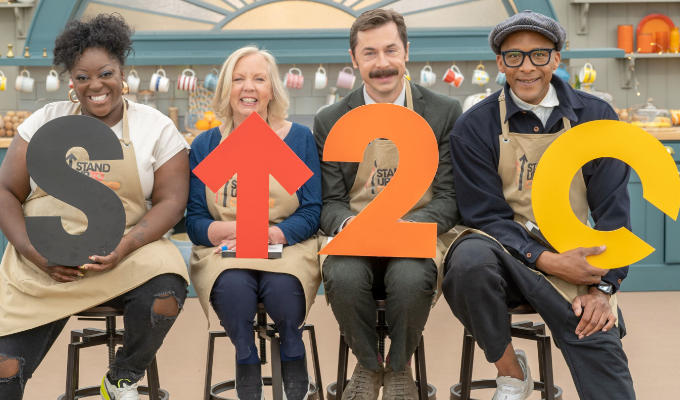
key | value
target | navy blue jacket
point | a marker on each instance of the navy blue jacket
(475, 152)
(299, 226)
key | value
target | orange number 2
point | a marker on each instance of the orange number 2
(377, 231)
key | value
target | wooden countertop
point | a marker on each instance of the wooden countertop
(4, 142)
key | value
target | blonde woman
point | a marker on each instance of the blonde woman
(249, 82)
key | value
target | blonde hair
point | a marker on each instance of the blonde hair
(278, 105)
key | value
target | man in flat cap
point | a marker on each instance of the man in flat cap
(504, 262)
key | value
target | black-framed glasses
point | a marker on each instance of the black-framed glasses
(515, 58)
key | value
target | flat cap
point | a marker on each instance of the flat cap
(527, 21)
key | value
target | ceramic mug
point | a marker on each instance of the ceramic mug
(587, 74)
(346, 78)
(210, 81)
(562, 73)
(645, 43)
(133, 81)
(24, 82)
(427, 77)
(479, 76)
(320, 78)
(453, 76)
(500, 78)
(52, 81)
(159, 82)
(187, 80)
(3, 81)
(294, 79)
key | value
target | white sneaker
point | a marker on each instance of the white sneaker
(508, 388)
(124, 390)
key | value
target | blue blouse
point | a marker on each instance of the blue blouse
(299, 226)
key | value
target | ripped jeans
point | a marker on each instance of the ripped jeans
(144, 333)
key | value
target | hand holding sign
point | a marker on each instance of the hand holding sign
(253, 151)
(377, 231)
(47, 165)
(586, 142)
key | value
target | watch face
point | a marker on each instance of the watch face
(606, 287)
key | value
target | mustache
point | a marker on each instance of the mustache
(382, 73)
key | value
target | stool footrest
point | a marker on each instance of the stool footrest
(218, 388)
(331, 391)
(491, 384)
(92, 391)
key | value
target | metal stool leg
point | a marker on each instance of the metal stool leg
(209, 366)
(421, 372)
(315, 360)
(153, 380)
(545, 365)
(343, 355)
(72, 371)
(277, 381)
(467, 360)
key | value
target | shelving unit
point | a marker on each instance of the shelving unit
(20, 13)
(585, 8)
(630, 64)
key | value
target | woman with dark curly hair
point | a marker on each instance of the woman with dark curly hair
(144, 275)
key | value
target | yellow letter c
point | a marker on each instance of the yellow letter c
(586, 142)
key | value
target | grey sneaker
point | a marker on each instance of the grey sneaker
(295, 379)
(399, 385)
(508, 388)
(364, 385)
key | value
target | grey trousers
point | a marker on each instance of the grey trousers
(482, 281)
(409, 285)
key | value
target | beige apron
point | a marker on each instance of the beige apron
(30, 298)
(379, 164)
(519, 156)
(299, 260)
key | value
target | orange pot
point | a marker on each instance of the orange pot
(625, 38)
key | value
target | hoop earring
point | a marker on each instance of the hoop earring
(71, 92)
(126, 88)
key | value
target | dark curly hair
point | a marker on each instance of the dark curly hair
(107, 31)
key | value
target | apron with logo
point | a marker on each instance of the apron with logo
(299, 260)
(379, 164)
(519, 156)
(30, 298)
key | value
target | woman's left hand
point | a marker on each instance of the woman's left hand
(276, 235)
(102, 263)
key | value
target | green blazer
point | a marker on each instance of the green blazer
(337, 178)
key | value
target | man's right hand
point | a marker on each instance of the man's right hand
(571, 266)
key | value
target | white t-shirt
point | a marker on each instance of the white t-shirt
(153, 135)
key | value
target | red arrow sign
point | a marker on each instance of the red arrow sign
(253, 151)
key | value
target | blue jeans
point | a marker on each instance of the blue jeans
(235, 296)
(144, 334)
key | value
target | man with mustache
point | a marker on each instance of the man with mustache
(505, 263)
(379, 49)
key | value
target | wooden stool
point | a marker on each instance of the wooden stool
(110, 337)
(523, 330)
(426, 391)
(265, 332)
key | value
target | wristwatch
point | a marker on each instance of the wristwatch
(605, 287)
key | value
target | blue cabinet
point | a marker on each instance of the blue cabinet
(661, 269)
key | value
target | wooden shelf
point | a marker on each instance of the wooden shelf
(585, 8)
(652, 55)
(16, 5)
